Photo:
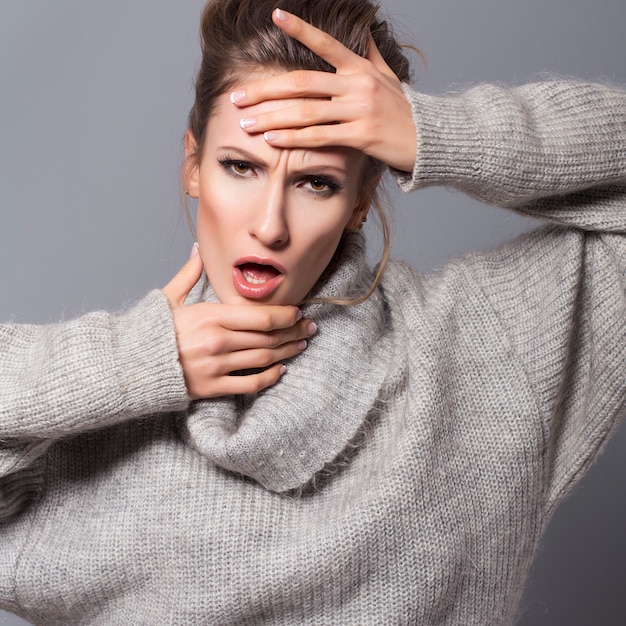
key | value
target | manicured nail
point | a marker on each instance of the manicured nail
(302, 344)
(281, 16)
(237, 96)
(194, 250)
(311, 329)
(282, 370)
(270, 136)
(298, 315)
(247, 122)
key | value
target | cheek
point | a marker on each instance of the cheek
(318, 243)
(212, 229)
(215, 210)
(324, 244)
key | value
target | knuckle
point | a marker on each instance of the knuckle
(255, 383)
(308, 113)
(356, 139)
(368, 84)
(271, 340)
(214, 344)
(212, 368)
(300, 79)
(266, 357)
(319, 134)
(264, 320)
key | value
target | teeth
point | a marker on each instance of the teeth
(252, 280)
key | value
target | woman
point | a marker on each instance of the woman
(463, 405)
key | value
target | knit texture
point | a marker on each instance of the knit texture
(403, 469)
(270, 437)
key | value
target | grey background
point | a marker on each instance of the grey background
(93, 101)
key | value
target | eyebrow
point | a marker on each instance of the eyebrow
(254, 159)
(244, 154)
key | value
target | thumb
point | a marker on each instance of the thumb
(179, 287)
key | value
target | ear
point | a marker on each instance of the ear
(359, 215)
(191, 174)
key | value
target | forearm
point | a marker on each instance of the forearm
(88, 373)
(518, 147)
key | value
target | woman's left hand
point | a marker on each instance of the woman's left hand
(362, 106)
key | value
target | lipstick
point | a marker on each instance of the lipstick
(257, 277)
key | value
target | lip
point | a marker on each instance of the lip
(246, 289)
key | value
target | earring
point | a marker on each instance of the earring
(363, 220)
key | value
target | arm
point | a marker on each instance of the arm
(89, 373)
(103, 369)
(554, 150)
(511, 147)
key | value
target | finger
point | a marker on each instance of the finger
(309, 113)
(252, 383)
(348, 134)
(295, 84)
(252, 318)
(261, 357)
(356, 135)
(179, 287)
(244, 340)
(325, 46)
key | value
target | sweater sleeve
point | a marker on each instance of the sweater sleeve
(95, 371)
(556, 151)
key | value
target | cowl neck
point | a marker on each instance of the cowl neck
(284, 435)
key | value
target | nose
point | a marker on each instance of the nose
(269, 223)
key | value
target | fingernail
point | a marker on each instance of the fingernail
(282, 370)
(311, 329)
(237, 96)
(270, 136)
(247, 122)
(302, 344)
(282, 16)
(298, 315)
(194, 250)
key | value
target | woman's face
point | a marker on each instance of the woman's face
(269, 220)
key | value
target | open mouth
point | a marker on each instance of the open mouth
(257, 273)
(256, 279)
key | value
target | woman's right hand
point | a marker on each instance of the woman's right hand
(217, 339)
(361, 106)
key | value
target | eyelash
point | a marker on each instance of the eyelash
(228, 164)
(332, 186)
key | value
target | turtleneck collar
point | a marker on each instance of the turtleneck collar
(284, 435)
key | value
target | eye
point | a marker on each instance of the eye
(323, 186)
(240, 167)
(236, 167)
(318, 184)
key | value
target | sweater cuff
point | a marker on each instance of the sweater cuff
(150, 375)
(446, 142)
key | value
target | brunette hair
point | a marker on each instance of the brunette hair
(238, 37)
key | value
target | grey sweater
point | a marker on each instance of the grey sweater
(404, 468)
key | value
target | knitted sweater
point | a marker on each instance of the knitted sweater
(405, 466)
